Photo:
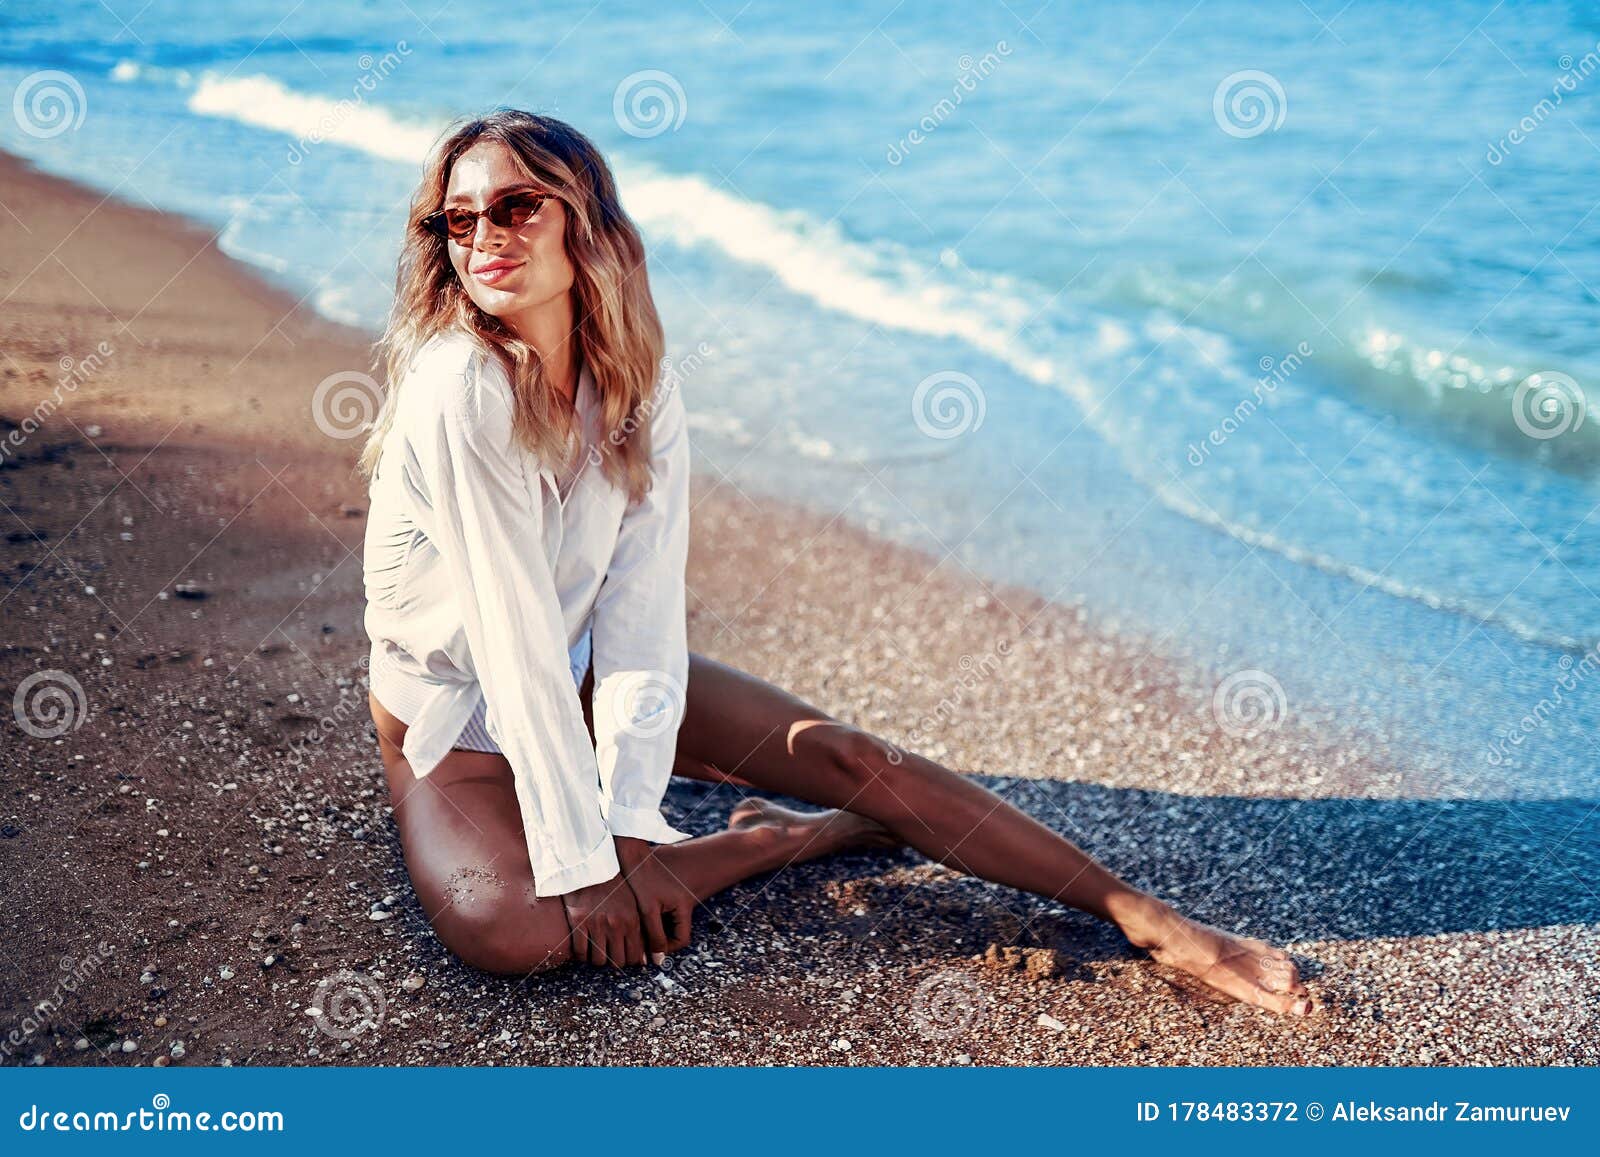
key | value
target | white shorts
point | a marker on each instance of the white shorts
(403, 696)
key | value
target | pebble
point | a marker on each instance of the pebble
(129, 1046)
(81, 1044)
(226, 974)
(412, 983)
(162, 1062)
(161, 1022)
(1049, 1021)
(378, 914)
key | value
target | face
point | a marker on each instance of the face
(511, 273)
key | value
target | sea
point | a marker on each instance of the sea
(1267, 334)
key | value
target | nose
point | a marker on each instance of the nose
(486, 230)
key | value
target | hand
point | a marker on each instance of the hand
(604, 919)
(661, 896)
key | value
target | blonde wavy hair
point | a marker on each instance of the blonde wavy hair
(618, 330)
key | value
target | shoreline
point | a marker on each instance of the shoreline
(173, 825)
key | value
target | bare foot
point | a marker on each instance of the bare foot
(1246, 969)
(812, 834)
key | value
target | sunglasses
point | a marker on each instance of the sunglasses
(508, 212)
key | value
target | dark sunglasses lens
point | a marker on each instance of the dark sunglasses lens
(447, 224)
(516, 209)
(508, 212)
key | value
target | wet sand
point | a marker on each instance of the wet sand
(204, 853)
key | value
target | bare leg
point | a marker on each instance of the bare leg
(741, 729)
(468, 859)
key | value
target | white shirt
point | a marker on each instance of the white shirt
(500, 574)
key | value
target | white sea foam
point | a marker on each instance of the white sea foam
(879, 283)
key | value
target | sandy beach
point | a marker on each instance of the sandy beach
(203, 855)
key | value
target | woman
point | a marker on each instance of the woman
(529, 497)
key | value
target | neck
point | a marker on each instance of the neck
(548, 328)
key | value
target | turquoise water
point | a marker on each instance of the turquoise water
(1295, 384)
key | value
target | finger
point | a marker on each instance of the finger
(682, 915)
(655, 932)
(617, 948)
(580, 943)
(597, 945)
(635, 946)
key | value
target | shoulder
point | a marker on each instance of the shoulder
(455, 377)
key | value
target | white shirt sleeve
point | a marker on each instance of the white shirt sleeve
(640, 640)
(488, 514)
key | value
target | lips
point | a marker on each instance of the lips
(492, 271)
